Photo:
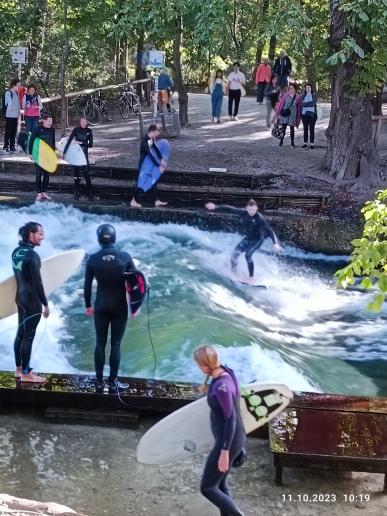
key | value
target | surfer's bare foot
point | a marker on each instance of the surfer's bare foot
(32, 378)
(160, 203)
(135, 204)
(18, 372)
(39, 197)
(46, 197)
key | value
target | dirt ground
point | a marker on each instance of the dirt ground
(93, 470)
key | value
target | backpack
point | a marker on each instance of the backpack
(3, 104)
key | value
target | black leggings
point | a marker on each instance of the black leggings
(117, 325)
(41, 186)
(233, 95)
(308, 124)
(248, 247)
(214, 484)
(152, 192)
(28, 322)
(284, 126)
(86, 174)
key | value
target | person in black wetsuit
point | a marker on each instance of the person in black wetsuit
(111, 308)
(148, 143)
(223, 398)
(84, 136)
(257, 229)
(30, 298)
(46, 133)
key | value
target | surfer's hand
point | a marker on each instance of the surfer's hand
(277, 248)
(210, 206)
(162, 169)
(46, 312)
(223, 462)
(136, 314)
(163, 163)
(89, 311)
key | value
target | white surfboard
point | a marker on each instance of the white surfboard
(74, 154)
(186, 432)
(55, 271)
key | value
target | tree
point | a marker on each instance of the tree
(369, 257)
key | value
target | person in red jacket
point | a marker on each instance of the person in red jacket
(262, 78)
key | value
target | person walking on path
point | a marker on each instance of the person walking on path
(32, 106)
(149, 148)
(108, 267)
(308, 115)
(236, 81)
(46, 133)
(217, 92)
(30, 298)
(262, 78)
(272, 92)
(11, 111)
(283, 69)
(165, 85)
(289, 113)
(84, 136)
(223, 398)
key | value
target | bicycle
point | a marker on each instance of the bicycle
(129, 103)
(96, 108)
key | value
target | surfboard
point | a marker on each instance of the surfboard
(44, 156)
(55, 271)
(247, 284)
(186, 432)
(136, 289)
(150, 173)
(74, 154)
(23, 141)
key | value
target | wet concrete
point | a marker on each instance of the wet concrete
(94, 471)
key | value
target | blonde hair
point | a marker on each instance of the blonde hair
(207, 356)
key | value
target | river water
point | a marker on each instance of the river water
(301, 331)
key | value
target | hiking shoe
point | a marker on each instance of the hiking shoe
(311, 147)
(117, 386)
(5, 151)
(13, 151)
(304, 146)
(281, 143)
(99, 386)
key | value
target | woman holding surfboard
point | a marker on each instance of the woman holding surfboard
(227, 428)
(46, 133)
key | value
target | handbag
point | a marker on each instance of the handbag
(309, 114)
(286, 111)
(277, 131)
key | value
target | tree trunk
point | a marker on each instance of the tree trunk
(178, 76)
(35, 45)
(272, 47)
(310, 67)
(258, 52)
(65, 55)
(139, 66)
(377, 100)
(351, 152)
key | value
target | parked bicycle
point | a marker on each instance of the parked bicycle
(97, 108)
(129, 102)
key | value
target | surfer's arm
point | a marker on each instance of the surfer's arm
(37, 281)
(89, 276)
(269, 231)
(71, 138)
(225, 398)
(90, 139)
(225, 208)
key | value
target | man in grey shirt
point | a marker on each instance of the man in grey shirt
(12, 114)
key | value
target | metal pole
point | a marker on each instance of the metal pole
(155, 101)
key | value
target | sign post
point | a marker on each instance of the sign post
(19, 57)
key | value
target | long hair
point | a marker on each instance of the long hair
(29, 227)
(207, 356)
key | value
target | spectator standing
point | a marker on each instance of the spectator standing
(262, 78)
(32, 106)
(272, 92)
(283, 69)
(236, 81)
(308, 115)
(289, 113)
(46, 133)
(217, 92)
(165, 85)
(11, 111)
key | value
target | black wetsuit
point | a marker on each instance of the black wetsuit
(227, 428)
(84, 136)
(256, 229)
(111, 307)
(30, 297)
(47, 134)
(145, 150)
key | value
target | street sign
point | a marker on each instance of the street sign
(156, 58)
(19, 55)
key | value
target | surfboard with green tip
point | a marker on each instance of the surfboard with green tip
(44, 156)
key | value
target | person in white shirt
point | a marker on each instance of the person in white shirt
(236, 81)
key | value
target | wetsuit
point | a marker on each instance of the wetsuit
(47, 134)
(84, 136)
(256, 228)
(111, 308)
(227, 428)
(30, 297)
(145, 150)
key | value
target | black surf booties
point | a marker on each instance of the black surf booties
(116, 386)
(99, 386)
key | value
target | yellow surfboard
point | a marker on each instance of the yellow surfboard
(44, 156)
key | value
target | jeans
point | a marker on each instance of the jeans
(284, 126)
(308, 124)
(260, 90)
(32, 123)
(217, 101)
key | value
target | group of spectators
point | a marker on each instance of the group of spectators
(284, 106)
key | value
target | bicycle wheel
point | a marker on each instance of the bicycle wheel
(124, 108)
(106, 111)
(134, 104)
(91, 112)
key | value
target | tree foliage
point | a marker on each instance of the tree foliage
(369, 256)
